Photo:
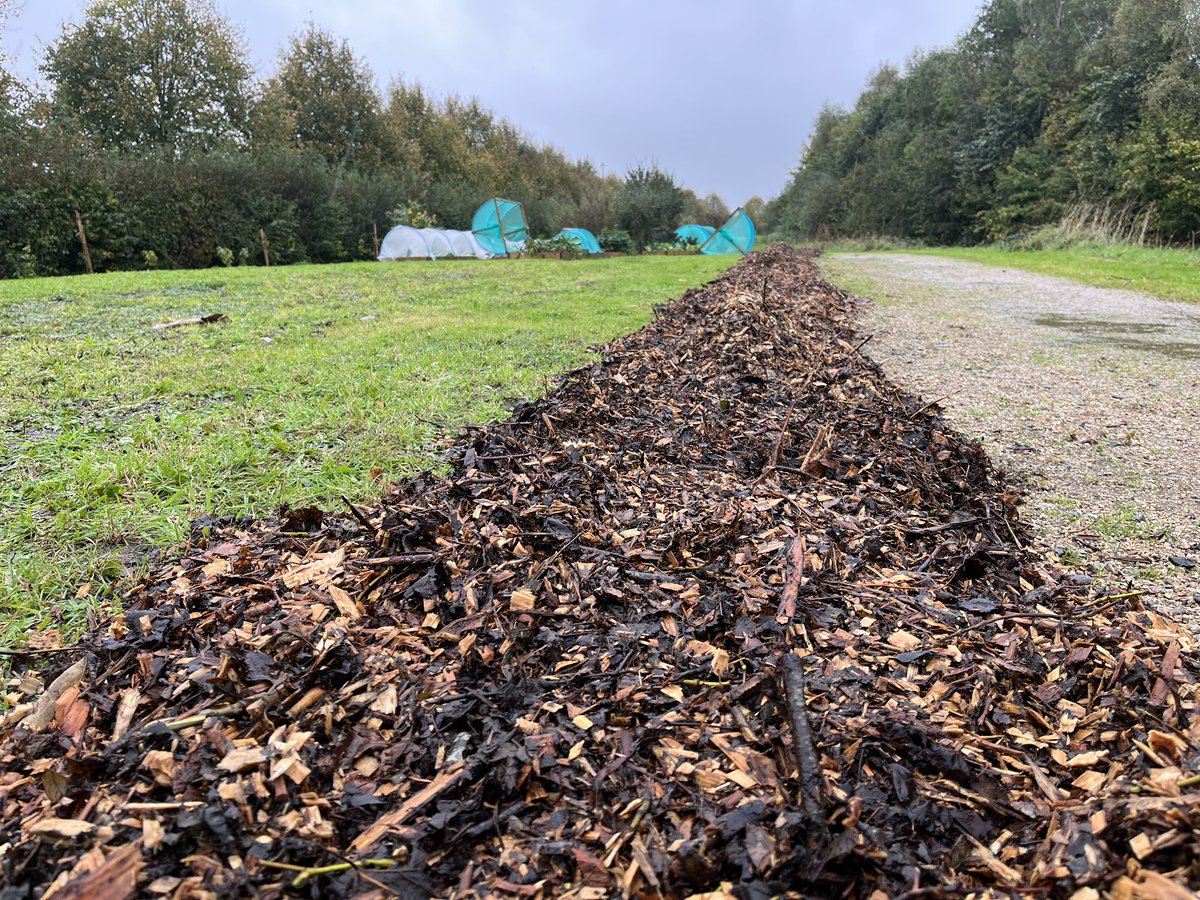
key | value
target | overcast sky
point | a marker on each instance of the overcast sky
(721, 93)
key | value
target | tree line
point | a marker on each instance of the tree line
(1042, 106)
(155, 128)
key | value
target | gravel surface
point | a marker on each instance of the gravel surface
(1089, 396)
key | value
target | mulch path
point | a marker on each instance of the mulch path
(726, 612)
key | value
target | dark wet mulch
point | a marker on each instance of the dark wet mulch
(726, 612)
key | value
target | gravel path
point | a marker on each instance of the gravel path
(1090, 396)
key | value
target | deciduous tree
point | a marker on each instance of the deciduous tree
(322, 98)
(649, 205)
(137, 73)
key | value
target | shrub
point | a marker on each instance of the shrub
(558, 244)
(649, 205)
(615, 240)
(225, 255)
(412, 213)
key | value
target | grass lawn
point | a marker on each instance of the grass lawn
(113, 435)
(1170, 274)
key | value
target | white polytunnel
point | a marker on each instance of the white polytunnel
(465, 244)
(436, 240)
(404, 242)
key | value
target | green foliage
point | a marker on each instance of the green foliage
(559, 244)
(149, 259)
(650, 205)
(1043, 104)
(137, 72)
(615, 240)
(1167, 273)
(182, 207)
(114, 435)
(412, 213)
(322, 98)
(225, 256)
(710, 210)
(151, 137)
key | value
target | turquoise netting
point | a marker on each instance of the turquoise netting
(698, 233)
(584, 239)
(499, 226)
(735, 236)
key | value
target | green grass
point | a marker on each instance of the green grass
(113, 435)
(1169, 274)
(1122, 523)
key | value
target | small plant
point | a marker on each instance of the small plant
(414, 214)
(244, 256)
(1071, 557)
(225, 255)
(25, 263)
(560, 244)
(615, 240)
(149, 259)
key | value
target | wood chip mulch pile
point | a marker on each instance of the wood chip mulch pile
(726, 614)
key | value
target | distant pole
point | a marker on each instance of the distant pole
(500, 225)
(266, 249)
(87, 254)
(375, 238)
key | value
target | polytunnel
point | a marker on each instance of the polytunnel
(582, 238)
(499, 226)
(464, 244)
(439, 245)
(404, 242)
(735, 236)
(698, 234)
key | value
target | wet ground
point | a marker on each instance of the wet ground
(1149, 337)
(1090, 396)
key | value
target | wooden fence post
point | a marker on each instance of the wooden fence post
(87, 254)
(375, 238)
(266, 249)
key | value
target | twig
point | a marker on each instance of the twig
(304, 873)
(46, 650)
(1124, 596)
(994, 619)
(357, 513)
(400, 559)
(773, 460)
(961, 523)
(802, 743)
(931, 403)
(791, 584)
(198, 719)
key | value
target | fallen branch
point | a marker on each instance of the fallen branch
(191, 320)
(803, 745)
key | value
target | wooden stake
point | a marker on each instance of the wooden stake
(375, 238)
(87, 254)
(266, 249)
